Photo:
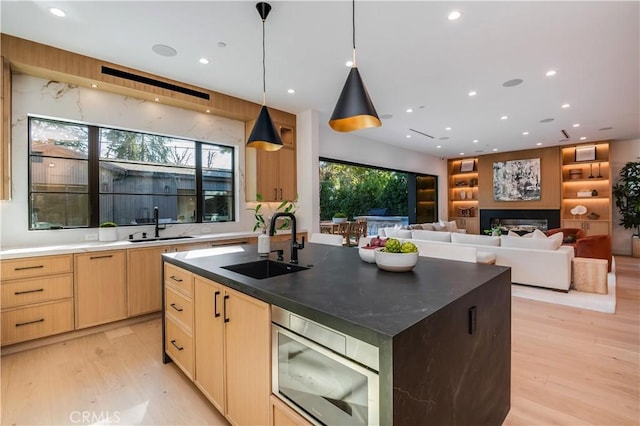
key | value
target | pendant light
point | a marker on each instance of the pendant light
(264, 134)
(354, 109)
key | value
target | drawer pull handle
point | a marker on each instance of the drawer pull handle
(216, 314)
(20, 324)
(22, 268)
(177, 308)
(173, 342)
(224, 307)
(101, 257)
(173, 277)
(28, 291)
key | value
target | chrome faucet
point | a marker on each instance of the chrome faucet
(156, 221)
(295, 246)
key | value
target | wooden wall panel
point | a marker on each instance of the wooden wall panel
(550, 180)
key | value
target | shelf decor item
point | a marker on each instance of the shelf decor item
(467, 166)
(586, 153)
(578, 210)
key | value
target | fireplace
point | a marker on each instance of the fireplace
(521, 221)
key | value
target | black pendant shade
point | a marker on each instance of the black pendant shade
(264, 134)
(354, 109)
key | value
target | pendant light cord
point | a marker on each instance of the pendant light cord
(353, 27)
(264, 70)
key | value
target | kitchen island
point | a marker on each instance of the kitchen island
(443, 330)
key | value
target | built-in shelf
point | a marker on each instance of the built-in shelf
(463, 195)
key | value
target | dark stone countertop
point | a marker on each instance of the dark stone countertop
(343, 292)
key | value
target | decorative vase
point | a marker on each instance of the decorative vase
(463, 194)
(264, 244)
(108, 234)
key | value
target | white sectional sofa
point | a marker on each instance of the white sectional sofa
(541, 261)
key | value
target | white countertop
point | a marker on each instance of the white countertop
(89, 246)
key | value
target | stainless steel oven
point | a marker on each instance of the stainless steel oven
(327, 376)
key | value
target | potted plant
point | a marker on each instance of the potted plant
(339, 217)
(107, 231)
(626, 192)
(262, 222)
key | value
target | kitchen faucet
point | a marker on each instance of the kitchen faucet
(295, 246)
(156, 221)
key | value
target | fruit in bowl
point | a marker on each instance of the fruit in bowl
(397, 256)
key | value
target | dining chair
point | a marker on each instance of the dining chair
(329, 239)
(358, 230)
(344, 230)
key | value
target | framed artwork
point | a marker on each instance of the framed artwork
(516, 180)
(586, 153)
(467, 165)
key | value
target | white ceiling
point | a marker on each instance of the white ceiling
(409, 54)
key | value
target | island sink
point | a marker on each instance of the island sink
(262, 269)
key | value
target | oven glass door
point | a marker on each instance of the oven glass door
(330, 388)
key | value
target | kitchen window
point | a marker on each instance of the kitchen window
(81, 176)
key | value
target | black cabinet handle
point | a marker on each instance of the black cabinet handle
(106, 256)
(173, 342)
(28, 291)
(173, 277)
(473, 319)
(280, 193)
(22, 268)
(216, 314)
(226, 319)
(275, 193)
(20, 324)
(177, 308)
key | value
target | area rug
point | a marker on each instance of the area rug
(577, 299)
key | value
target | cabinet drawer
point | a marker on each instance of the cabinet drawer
(179, 307)
(36, 266)
(178, 278)
(36, 290)
(179, 346)
(32, 322)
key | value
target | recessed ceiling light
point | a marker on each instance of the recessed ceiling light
(576, 125)
(57, 12)
(94, 85)
(583, 138)
(291, 91)
(525, 133)
(512, 82)
(462, 153)
(447, 128)
(222, 44)
(439, 146)
(566, 105)
(208, 111)
(494, 149)
(164, 50)
(408, 136)
(539, 143)
(473, 93)
(454, 15)
(504, 117)
(550, 73)
(349, 63)
(409, 109)
(203, 61)
(475, 141)
(156, 99)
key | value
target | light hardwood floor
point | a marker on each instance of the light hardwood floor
(569, 367)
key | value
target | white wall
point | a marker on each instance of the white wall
(621, 152)
(67, 102)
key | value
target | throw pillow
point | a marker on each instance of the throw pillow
(539, 234)
(438, 226)
(428, 227)
(431, 236)
(571, 238)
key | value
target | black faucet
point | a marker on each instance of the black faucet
(156, 220)
(295, 246)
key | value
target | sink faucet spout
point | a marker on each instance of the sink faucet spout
(295, 245)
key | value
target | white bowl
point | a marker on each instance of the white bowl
(367, 255)
(395, 262)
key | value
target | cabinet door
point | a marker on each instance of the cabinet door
(287, 188)
(596, 227)
(101, 288)
(144, 280)
(209, 341)
(267, 174)
(247, 341)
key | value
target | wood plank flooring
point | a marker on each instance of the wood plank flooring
(569, 367)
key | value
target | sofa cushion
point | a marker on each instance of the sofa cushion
(450, 226)
(392, 232)
(438, 226)
(431, 236)
(481, 240)
(428, 227)
(550, 243)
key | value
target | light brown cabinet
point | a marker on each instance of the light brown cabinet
(463, 194)
(144, 280)
(586, 181)
(179, 312)
(283, 415)
(232, 345)
(100, 287)
(37, 297)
